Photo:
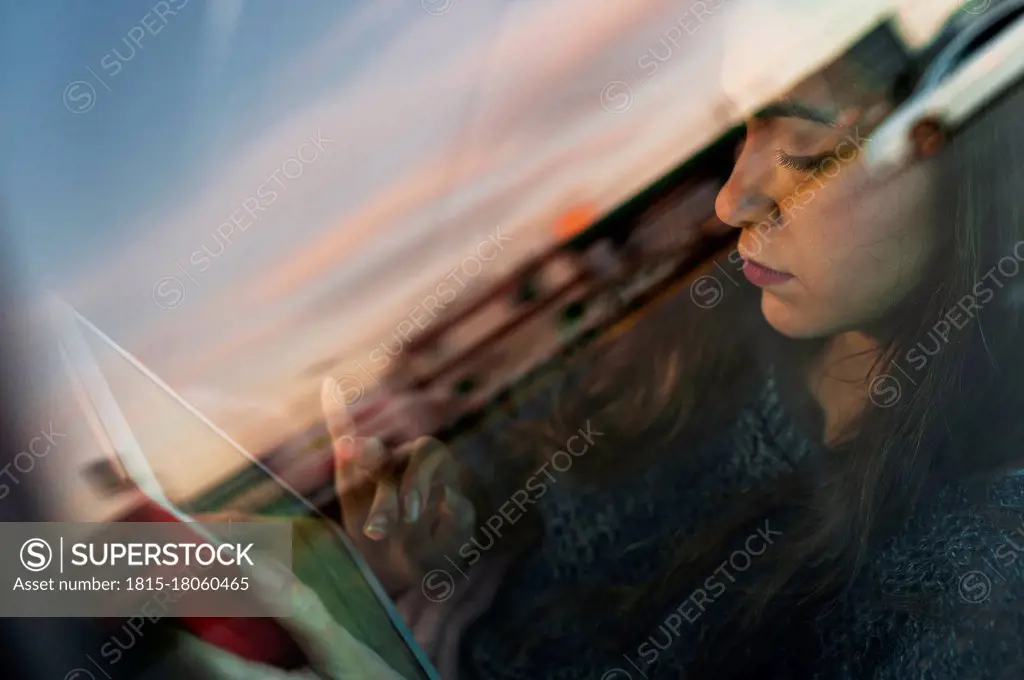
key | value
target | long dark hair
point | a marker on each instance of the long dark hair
(683, 371)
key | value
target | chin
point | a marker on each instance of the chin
(787, 319)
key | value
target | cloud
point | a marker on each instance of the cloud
(512, 79)
(294, 261)
(222, 19)
(385, 211)
(449, 126)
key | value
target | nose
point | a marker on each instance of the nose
(745, 210)
(745, 199)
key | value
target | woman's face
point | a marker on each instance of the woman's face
(832, 247)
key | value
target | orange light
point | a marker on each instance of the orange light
(574, 221)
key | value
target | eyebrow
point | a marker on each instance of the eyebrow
(795, 109)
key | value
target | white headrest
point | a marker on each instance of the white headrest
(772, 45)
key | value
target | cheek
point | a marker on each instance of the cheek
(853, 212)
(853, 242)
(883, 231)
(862, 250)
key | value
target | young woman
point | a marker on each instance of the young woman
(815, 476)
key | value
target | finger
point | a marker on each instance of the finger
(341, 428)
(446, 518)
(459, 508)
(431, 468)
(351, 452)
(440, 533)
(347, 475)
(357, 461)
(339, 420)
(384, 512)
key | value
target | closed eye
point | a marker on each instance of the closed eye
(801, 163)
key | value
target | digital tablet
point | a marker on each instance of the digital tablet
(105, 376)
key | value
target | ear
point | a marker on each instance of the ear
(928, 137)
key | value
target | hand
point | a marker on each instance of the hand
(404, 507)
(335, 653)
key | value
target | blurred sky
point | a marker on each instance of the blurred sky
(447, 120)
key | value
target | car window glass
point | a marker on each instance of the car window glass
(984, 38)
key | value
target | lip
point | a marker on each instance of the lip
(763, 276)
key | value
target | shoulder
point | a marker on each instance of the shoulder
(944, 598)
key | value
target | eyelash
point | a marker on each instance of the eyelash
(800, 163)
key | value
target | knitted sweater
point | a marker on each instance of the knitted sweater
(970, 569)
